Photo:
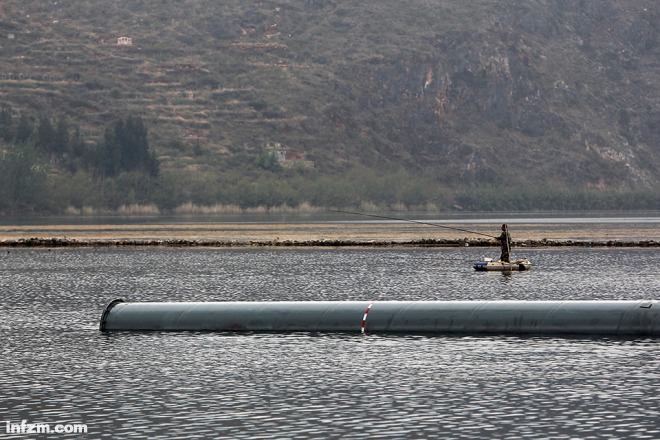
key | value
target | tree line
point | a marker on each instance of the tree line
(46, 166)
(125, 146)
(39, 156)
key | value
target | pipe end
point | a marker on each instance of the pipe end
(106, 311)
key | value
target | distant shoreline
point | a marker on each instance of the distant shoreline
(74, 243)
(325, 234)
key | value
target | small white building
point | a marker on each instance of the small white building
(124, 41)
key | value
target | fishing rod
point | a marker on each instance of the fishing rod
(411, 221)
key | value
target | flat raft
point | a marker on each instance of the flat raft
(502, 266)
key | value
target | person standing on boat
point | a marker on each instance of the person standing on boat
(505, 240)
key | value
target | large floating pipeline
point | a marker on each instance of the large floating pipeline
(617, 318)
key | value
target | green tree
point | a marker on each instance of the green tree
(62, 141)
(6, 132)
(268, 160)
(45, 135)
(109, 159)
(22, 179)
(126, 148)
(76, 152)
(24, 130)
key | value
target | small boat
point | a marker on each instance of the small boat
(502, 266)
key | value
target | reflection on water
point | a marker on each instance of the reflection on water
(58, 368)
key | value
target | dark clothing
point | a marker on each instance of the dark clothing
(505, 239)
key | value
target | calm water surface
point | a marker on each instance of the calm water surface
(57, 368)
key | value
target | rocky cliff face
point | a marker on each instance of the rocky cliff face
(553, 92)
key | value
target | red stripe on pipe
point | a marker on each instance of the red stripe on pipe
(364, 318)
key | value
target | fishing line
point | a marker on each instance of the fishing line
(458, 260)
(412, 221)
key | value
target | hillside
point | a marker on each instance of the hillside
(443, 94)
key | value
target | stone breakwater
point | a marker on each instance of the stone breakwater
(75, 243)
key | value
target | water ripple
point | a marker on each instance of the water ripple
(58, 367)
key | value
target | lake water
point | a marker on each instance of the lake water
(58, 368)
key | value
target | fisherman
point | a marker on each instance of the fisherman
(505, 239)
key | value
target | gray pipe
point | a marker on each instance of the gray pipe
(501, 317)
